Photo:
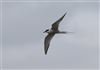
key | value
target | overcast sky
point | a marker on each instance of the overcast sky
(50, 0)
(0, 35)
(23, 37)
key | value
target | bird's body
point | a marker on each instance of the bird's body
(51, 32)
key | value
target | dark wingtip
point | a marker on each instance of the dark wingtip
(45, 52)
(65, 13)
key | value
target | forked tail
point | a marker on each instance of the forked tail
(62, 32)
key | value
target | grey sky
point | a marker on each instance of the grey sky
(23, 38)
(50, 0)
(0, 35)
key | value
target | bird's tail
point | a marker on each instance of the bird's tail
(62, 32)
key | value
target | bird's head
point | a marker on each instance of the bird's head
(46, 31)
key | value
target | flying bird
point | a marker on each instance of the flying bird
(51, 32)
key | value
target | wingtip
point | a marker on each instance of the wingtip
(65, 13)
(45, 53)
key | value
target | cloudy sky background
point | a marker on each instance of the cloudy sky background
(0, 35)
(50, 0)
(23, 38)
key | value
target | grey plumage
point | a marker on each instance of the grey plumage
(54, 30)
(47, 41)
(55, 25)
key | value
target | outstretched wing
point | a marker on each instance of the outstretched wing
(47, 41)
(55, 25)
